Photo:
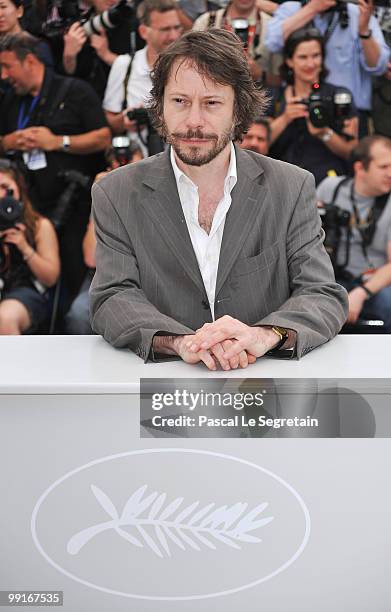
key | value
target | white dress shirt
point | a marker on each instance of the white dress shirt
(138, 89)
(206, 246)
(139, 84)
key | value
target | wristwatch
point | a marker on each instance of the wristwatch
(66, 143)
(369, 293)
(283, 335)
(366, 36)
(327, 135)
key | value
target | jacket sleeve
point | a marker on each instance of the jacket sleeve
(274, 39)
(318, 306)
(119, 309)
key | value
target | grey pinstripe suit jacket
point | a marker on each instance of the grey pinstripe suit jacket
(273, 268)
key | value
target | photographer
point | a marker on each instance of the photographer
(89, 55)
(308, 101)
(29, 259)
(257, 138)
(362, 256)
(53, 125)
(249, 22)
(355, 46)
(129, 82)
(11, 15)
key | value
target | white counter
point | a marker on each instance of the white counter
(87, 364)
(72, 456)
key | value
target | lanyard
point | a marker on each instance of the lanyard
(23, 117)
(331, 25)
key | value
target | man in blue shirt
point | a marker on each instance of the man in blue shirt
(355, 46)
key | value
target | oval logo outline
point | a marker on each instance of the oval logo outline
(226, 592)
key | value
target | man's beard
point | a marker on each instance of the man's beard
(195, 157)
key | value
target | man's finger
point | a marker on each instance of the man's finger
(234, 362)
(237, 347)
(208, 338)
(208, 360)
(218, 351)
(243, 359)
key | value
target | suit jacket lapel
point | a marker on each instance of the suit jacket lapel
(164, 208)
(247, 197)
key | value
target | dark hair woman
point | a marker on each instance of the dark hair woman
(321, 150)
(11, 14)
(29, 260)
(11, 11)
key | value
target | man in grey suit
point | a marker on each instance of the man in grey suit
(206, 251)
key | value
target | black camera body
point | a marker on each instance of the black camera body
(326, 109)
(11, 211)
(122, 150)
(140, 115)
(153, 143)
(74, 182)
(69, 12)
(334, 219)
(241, 29)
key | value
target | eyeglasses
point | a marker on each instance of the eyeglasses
(177, 28)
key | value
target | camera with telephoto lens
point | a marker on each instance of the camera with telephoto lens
(333, 220)
(11, 211)
(69, 12)
(240, 28)
(326, 109)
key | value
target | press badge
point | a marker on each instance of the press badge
(35, 159)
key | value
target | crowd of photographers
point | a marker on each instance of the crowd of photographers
(75, 78)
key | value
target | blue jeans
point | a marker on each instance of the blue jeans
(377, 307)
(77, 320)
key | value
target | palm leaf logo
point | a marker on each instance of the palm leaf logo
(158, 524)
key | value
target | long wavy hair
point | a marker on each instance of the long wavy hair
(30, 216)
(291, 44)
(217, 55)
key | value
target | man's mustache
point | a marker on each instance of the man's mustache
(196, 134)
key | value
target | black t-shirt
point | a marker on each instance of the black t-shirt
(67, 106)
(297, 146)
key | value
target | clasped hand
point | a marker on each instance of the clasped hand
(227, 343)
(30, 138)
